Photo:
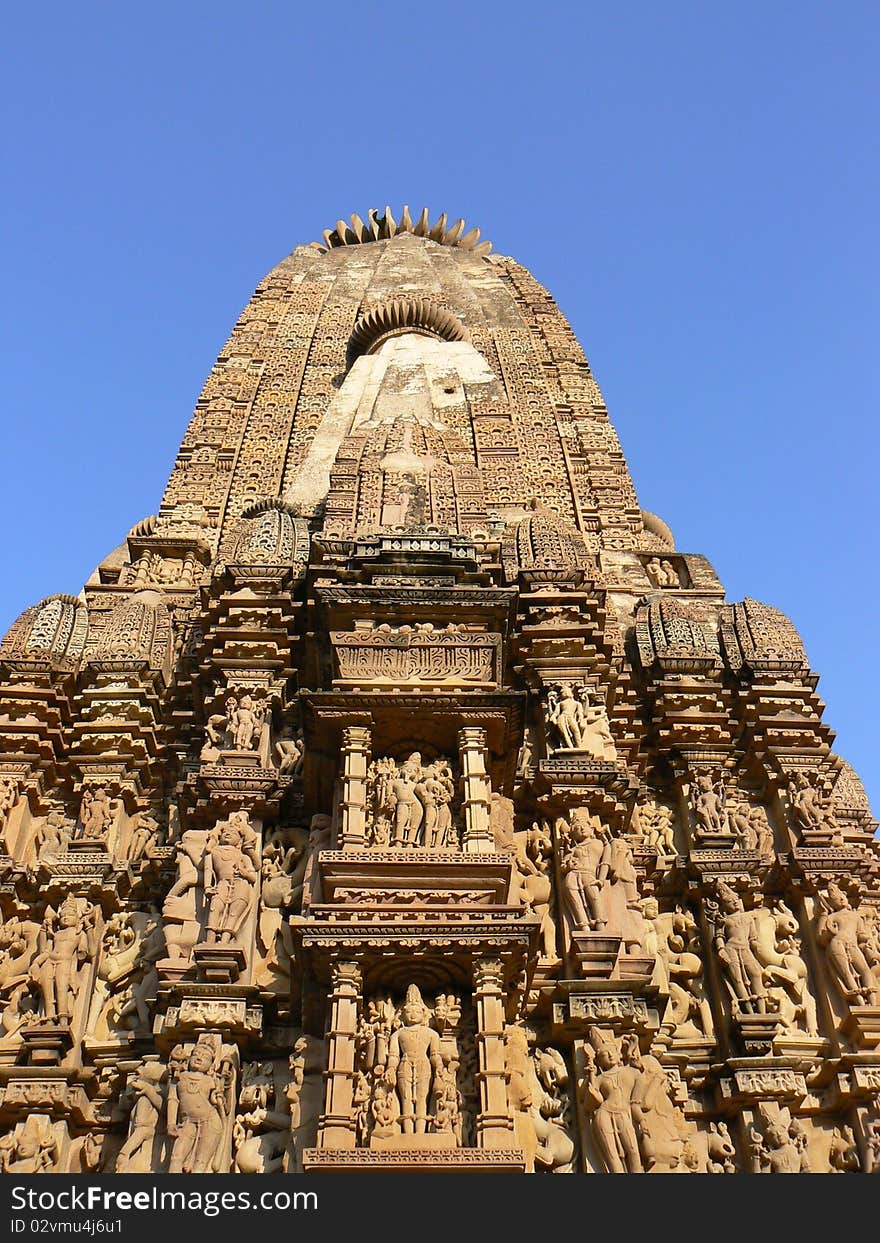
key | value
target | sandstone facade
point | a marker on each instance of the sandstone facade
(400, 797)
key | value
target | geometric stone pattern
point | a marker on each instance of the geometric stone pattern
(399, 796)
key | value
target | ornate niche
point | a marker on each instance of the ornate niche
(138, 628)
(544, 550)
(414, 1080)
(270, 535)
(56, 629)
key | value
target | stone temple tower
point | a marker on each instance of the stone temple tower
(399, 796)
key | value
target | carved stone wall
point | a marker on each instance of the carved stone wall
(400, 797)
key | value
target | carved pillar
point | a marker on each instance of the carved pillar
(356, 745)
(478, 838)
(337, 1128)
(494, 1123)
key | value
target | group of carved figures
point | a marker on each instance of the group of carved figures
(411, 803)
(574, 723)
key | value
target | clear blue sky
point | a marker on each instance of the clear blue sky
(696, 183)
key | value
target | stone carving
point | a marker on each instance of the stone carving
(127, 980)
(400, 526)
(843, 1155)
(662, 572)
(262, 1129)
(848, 942)
(96, 814)
(811, 810)
(710, 806)
(52, 836)
(411, 803)
(780, 1146)
(230, 877)
(417, 654)
(538, 1083)
(533, 854)
(68, 939)
(408, 1070)
(32, 1148)
(735, 943)
(599, 879)
(290, 752)
(720, 1149)
(201, 1100)
(244, 720)
(146, 1090)
(674, 942)
(653, 827)
(575, 724)
(635, 1123)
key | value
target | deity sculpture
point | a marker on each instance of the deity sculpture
(653, 827)
(199, 1103)
(244, 720)
(68, 939)
(8, 799)
(607, 1089)
(584, 869)
(95, 813)
(414, 1059)
(735, 939)
(782, 1149)
(230, 877)
(846, 936)
(710, 806)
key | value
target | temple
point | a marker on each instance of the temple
(399, 796)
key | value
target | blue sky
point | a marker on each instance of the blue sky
(696, 184)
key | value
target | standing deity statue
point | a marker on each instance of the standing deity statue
(736, 939)
(846, 935)
(414, 1059)
(608, 1087)
(8, 799)
(566, 716)
(710, 806)
(68, 939)
(244, 720)
(782, 1149)
(408, 810)
(198, 1106)
(585, 867)
(230, 877)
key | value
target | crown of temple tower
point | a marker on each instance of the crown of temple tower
(399, 796)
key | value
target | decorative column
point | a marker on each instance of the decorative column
(478, 838)
(356, 745)
(337, 1127)
(494, 1123)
